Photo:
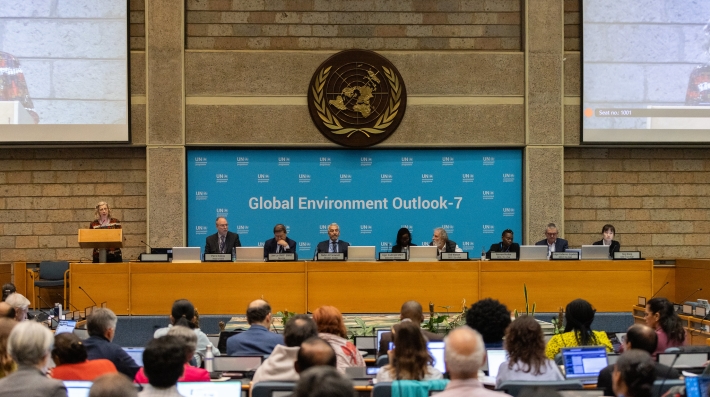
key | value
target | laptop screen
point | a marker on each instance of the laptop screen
(136, 354)
(495, 358)
(65, 326)
(237, 363)
(209, 389)
(696, 386)
(379, 338)
(684, 360)
(436, 349)
(584, 362)
(77, 388)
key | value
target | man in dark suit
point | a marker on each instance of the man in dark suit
(410, 311)
(506, 245)
(257, 340)
(223, 241)
(101, 326)
(280, 243)
(553, 243)
(333, 244)
(640, 337)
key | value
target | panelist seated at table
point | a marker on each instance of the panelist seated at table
(280, 244)
(404, 241)
(608, 233)
(223, 241)
(442, 242)
(333, 244)
(553, 243)
(506, 245)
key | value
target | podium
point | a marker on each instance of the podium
(101, 239)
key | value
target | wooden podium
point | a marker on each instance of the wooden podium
(101, 239)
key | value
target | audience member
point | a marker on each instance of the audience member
(20, 304)
(553, 243)
(113, 385)
(669, 327)
(640, 337)
(280, 366)
(634, 374)
(7, 289)
(323, 381)
(464, 355)
(525, 345)
(410, 359)
(101, 326)
(490, 318)
(29, 345)
(410, 311)
(188, 341)
(579, 316)
(7, 365)
(332, 329)
(69, 355)
(7, 311)
(257, 340)
(163, 363)
(608, 234)
(183, 309)
(315, 351)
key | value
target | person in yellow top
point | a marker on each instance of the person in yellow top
(579, 315)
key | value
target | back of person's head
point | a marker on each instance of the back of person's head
(163, 361)
(299, 328)
(113, 385)
(636, 372)
(29, 343)
(464, 353)
(183, 309)
(257, 311)
(314, 352)
(642, 337)
(579, 315)
(6, 326)
(18, 301)
(412, 310)
(68, 349)
(525, 344)
(7, 311)
(99, 321)
(490, 318)
(411, 356)
(668, 320)
(187, 338)
(330, 321)
(7, 289)
(323, 381)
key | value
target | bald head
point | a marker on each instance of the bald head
(259, 312)
(6, 311)
(464, 353)
(314, 352)
(641, 337)
(413, 311)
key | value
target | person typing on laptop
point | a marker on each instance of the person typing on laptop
(280, 244)
(223, 241)
(333, 244)
(553, 243)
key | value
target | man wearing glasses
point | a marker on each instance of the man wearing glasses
(553, 243)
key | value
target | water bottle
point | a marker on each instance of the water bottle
(406, 252)
(209, 359)
(483, 255)
(234, 254)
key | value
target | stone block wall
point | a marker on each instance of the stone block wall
(136, 30)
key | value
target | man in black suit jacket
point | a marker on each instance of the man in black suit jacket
(410, 311)
(280, 244)
(553, 243)
(101, 325)
(333, 241)
(231, 240)
(640, 337)
(506, 245)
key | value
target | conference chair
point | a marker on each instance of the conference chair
(515, 387)
(267, 389)
(659, 391)
(50, 275)
(382, 361)
(409, 388)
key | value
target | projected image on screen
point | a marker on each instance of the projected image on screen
(646, 71)
(63, 71)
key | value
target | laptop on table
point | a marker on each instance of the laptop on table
(583, 363)
(249, 254)
(595, 252)
(361, 253)
(423, 253)
(186, 254)
(533, 252)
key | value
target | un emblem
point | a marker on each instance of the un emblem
(357, 98)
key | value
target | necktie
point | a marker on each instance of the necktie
(221, 244)
(333, 247)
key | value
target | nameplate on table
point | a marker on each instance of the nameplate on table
(282, 257)
(218, 257)
(454, 256)
(330, 256)
(392, 256)
(154, 257)
(627, 255)
(565, 256)
(642, 301)
(504, 256)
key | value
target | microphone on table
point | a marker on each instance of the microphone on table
(87, 294)
(69, 303)
(682, 301)
(147, 245)
(659, 290)
(49, 316)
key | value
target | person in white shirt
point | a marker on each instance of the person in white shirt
(440, 239)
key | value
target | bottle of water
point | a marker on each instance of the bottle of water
(406, 252)
(483, 255)
(234, 254)
(209, 359)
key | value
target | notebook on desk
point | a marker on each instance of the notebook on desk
(583, 363)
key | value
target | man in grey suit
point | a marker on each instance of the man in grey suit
(333, 244)
(223, 241)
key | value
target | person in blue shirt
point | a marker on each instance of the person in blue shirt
(257, 340)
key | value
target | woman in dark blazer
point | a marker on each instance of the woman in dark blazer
(608, 233)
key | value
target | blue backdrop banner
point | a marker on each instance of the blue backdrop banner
(473, 194)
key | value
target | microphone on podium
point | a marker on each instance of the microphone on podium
(87, 294)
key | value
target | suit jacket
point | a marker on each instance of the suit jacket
(498, 247)
(270, 246)
(31, 382)
(256, 341)
(212, 243)
(614, 247)
(100, 347)
(450, 246)
(604, 380)
(387, 338)
(342, 246)
(560, 244)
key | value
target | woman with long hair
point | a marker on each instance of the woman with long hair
(410, 359)
(659, 315)
(404, 240)
(184, 313)
(579, 315)
(331, 328)
(525, 345)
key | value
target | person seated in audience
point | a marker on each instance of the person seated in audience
(20, 304)
(404, 241)
(506, 245)
(332, 329)
(608, 234)
(29, 345)
(579, 316)
(69, 355)
(660, 316)
(7, 289)
(163, 363)
(525, 345)
(410, 359)
(101, 326)
(490, 318)
(323, 381)
(183, 308)
(7, 311)
(188, 341)
(113, 385)
(553, 243)
(280, 364)
(257, 340)
(464, 355)
(640, 337)
(410, 311)
(634, 374)
(7, 365)
(315, 351)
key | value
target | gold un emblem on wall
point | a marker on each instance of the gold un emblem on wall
(357, 98)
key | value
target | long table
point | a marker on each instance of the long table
(137, 288)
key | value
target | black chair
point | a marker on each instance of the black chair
(515, 387)
(223, 336)
(659, 391)
(267, 389)
(51, 275)
(382, 361)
